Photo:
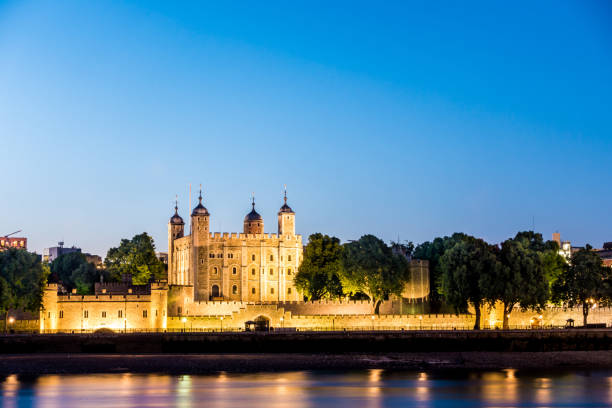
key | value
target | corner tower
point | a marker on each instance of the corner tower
(200, 228)
(253, 222)
(286, 219)
(176, 230)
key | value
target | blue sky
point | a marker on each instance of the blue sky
(409, 119)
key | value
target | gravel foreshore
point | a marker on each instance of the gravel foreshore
(37, 364)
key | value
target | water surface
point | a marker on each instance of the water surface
(367, 388)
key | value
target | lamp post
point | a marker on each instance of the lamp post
(11, 320)
(373, 317)
(221, 324)
(184, 320)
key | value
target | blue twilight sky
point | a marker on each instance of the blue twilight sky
(409, 119)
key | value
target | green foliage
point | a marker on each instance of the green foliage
(371, 267)
(466, 267)
(22, 281)
(135, 257)
(584, 283)
(74, 272)
(521, 276)
(319, 274)
(432, 251)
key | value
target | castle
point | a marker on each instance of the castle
(251, 266)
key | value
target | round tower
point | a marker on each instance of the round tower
(286, 219)
(253, 222)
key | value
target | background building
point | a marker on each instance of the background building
(8, 241)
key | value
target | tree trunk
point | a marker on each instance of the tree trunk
(506, 324)
(585, 313)
(477, 322)
(377, 306)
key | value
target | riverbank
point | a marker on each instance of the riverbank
(39, 364)
(337, 342)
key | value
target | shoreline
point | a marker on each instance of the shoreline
(42, 364)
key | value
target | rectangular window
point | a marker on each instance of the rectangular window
(253, 290)
(85, 314)
(180, 310)
(272, 290)
(120, 313)
(219, 255)
(289, 271)
(155, 312)
(61, 314)
(289, 258)
(271, 257)
(104, 314)
(288, 291)
(144, 313)
(211, 255)
(271, 271)
(49, 316)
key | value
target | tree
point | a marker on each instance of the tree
(519, 279)
(22, 281)
(584, 283)
(74, 272)
(135, 257)
(371, 267)
(319, 273)
(432, 251)
(465, 267)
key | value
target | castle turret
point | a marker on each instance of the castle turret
(200, 228)
(253, 222)
(176, 229)
(286, 219)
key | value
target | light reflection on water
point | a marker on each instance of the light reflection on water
(367, 388)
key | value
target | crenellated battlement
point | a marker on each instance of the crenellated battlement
(225, 236)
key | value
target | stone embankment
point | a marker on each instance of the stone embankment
(314, 342)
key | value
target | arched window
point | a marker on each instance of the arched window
(252, 257)
(234, 270)
(215, 291)
(215, 271)
(234, 290)
(253, 271)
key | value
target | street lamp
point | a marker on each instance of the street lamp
(221, 324)
(184, 320)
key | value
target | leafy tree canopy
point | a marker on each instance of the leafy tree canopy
(22, 281)
(520, 278)
(319, 273)
(74, 272)
(432, 251)
(465, 267)
(371, 267)
(135, 257)
(584, 283)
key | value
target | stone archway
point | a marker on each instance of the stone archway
(215, 292)
(262, 323)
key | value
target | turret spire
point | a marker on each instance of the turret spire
(284, 185)
(176, 204)
(253, 200)
(200, 197)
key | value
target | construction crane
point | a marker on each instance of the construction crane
(12, 233)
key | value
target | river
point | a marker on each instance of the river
(366, 388)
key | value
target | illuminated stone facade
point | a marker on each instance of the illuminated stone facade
(251, 266)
